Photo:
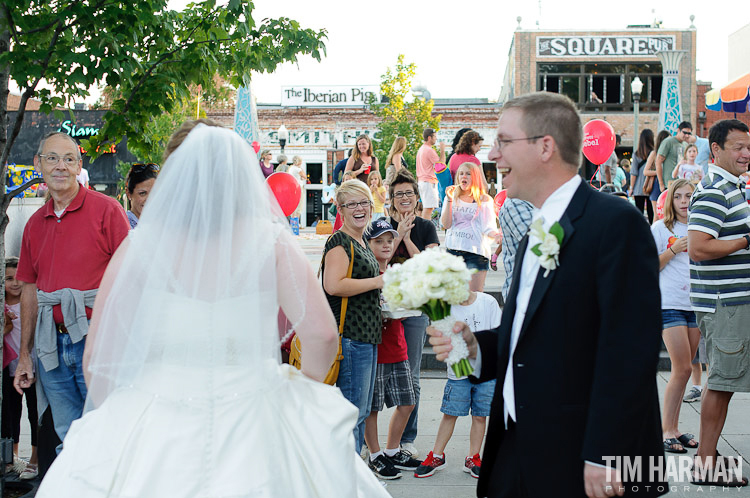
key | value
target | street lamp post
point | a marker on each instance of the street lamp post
(283, 136)
(636, 87)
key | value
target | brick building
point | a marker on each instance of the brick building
(322, 134)
(595, 69)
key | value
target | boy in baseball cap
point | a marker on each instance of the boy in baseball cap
(393, 381)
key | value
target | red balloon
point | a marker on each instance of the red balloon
(660, 205)
(286, 190)
(598, 141)
(256, 146)
(500, 200)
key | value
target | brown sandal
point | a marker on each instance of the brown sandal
(728, 479)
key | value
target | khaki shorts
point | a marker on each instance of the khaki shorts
(727, 334)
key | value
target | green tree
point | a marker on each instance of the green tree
(156, 135)
(400, 115)
(154, 138)
(57, 50)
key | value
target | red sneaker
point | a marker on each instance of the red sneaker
(430, 465)
(472, 465)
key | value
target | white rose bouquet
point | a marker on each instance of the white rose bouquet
(431, 282)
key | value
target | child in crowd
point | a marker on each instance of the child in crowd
(480, 312)
(496, 254)
(680, 332)
(12, 400)
(375, 182)
(393, 380)
(687, 169)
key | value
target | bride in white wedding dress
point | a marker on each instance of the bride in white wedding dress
(187, 397)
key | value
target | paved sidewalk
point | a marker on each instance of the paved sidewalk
(452, 482)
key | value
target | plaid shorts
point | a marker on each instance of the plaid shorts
(394, 386)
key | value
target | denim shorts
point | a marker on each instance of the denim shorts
(675, 318)
(460, 395)
(473, 261)
(655, 192)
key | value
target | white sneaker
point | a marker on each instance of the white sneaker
(693, 395)
(410, 449)
(30, 472)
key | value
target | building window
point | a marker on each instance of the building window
(602, 87)
(315, 173)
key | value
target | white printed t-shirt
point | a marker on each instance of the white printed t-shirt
(483, 314)
(470, 230)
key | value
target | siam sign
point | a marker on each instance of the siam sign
(74, 131)
(329, 95)
(602, 46)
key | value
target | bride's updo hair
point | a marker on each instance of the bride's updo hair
(183, 131)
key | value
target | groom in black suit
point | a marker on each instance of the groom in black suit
(576, 353)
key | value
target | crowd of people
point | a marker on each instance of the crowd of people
(101, 312)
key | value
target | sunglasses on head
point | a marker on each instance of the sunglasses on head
(141, 167)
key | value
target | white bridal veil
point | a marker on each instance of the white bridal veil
(200, 282)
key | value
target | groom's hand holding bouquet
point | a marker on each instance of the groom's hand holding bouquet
(431, 282)
(442, 344)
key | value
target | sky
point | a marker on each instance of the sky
(461, 48)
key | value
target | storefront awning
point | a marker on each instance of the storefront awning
(734, 97)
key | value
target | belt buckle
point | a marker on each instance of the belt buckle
(61, 329)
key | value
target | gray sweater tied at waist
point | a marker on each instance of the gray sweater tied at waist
(73, 303)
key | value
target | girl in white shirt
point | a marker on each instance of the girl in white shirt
(687, 169)
(469, 218)
(681, 334)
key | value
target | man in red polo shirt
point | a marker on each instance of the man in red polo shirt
(66, 247)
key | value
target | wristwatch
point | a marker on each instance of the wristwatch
(747, 239)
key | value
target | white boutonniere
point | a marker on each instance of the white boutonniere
(548, 250)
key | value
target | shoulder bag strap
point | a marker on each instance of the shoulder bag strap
(345, 300)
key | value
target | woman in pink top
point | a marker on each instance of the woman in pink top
(466, 151)
(265, 163)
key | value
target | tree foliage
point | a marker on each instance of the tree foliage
(401, 115)
(150, 54)
(154, 137)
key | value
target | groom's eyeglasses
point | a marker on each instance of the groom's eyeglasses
(502, 142)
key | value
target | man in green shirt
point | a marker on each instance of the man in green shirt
(670, 153)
